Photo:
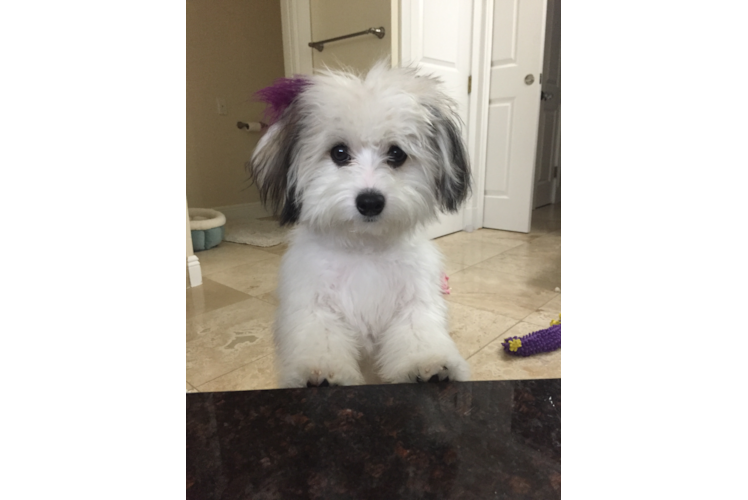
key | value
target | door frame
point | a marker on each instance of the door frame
(296, 27)
(478, 117)
(297, 32)
(553, 7)
(477, 125)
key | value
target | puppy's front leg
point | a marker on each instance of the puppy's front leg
(315, 348)
(418, 348)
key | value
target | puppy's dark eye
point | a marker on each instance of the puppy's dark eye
(396, 156)
(339, 155)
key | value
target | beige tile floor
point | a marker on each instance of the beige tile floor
(503, 284)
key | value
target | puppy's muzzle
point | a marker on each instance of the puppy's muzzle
(370, 203)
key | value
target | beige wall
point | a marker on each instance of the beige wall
(234, 48)
(333, 18)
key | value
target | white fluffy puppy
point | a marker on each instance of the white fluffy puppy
(360, 164)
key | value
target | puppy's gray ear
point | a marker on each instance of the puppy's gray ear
(272, 163)
(453, 181)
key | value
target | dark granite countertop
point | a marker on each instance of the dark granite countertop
(466, 440)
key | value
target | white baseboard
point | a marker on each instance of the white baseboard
(196, 274)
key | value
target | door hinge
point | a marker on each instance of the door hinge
(555, 172)
(540, 79)
(470, 84)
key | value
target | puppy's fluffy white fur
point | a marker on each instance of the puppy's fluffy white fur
(354, 285)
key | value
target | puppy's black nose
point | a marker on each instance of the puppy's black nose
(370, 203)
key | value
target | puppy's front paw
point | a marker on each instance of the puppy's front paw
(432, 369)
(340, 376)
(323, 374)
(433, 373)
(456, 369)
(318, 378)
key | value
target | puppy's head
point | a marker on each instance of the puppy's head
(375, 154)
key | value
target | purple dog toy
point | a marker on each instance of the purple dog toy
(280, 95)
(541, 341)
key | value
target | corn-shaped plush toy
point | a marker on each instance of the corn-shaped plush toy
(541, 341)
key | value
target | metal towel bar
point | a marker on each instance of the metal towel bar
(378, 32)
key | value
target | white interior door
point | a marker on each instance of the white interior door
(548, 159)
(513, 109)
(436, 36)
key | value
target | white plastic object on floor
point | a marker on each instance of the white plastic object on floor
(196, 274)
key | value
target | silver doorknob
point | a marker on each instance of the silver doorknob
(529, 79)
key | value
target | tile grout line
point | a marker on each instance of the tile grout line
(192, 318)
(494, 311)
(558, 294)
(523, 320)
(492, 340)
(515, 324)
(513, 274)
(232, 371)
(477, 264)
(245, 264)
(266, 301)
(491, 257)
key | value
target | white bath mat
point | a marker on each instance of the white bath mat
(250, 224)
